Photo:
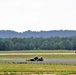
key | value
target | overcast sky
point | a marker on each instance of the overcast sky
(36, 15)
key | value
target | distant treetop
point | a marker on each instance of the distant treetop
(37, 34)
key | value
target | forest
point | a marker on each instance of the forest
(52, 43)
(37, 34)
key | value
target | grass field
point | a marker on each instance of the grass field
(43, 53)
(39, 51)
(59, 69)
(37, 68)
(68, 56)
(73, 56)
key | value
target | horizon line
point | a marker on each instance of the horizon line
(37, 31)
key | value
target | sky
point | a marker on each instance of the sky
(37, 15)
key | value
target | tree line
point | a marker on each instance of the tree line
(52, 43)
(37, 34)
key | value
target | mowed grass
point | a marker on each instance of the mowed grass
(73, 56)
(37, 68)
(29, 54)
(39, 51)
